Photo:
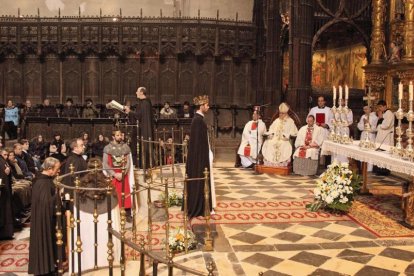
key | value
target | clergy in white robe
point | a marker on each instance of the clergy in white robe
(371, 119)
(385, 125)
(252, 140)
(309, 140)
(277, 149)
(323, 115)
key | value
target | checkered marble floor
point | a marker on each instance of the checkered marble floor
(308, 248)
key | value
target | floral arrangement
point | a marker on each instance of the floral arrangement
(177, 238)
(335, 188)
(174, 198)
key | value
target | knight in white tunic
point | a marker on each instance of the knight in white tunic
(252, 140)
(309, 140)
(277, 149)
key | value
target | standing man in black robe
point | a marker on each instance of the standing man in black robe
(76, 159)
(43, 248)
(145, 116)
(199, 159)
(6, 206)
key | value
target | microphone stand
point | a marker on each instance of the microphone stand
(256, 167)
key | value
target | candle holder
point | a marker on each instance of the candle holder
(332, 134)
(398, 150)
(345, 139)
(409, 151)
(367, 144)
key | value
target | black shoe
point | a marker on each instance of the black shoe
(251, 166)
(237, 165)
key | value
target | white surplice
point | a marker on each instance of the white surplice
(250, 137)
(385, 130)
(328, 117)
(318, 136)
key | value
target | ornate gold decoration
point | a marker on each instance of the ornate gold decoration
(377, 36)
(409, 31)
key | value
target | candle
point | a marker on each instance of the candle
(400, 91)
(410, 91)
(346, 92)
(340, 93)
(334, 95)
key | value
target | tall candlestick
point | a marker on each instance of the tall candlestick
(400, 91)
(410, 91)
(346, 92)
(334, 95)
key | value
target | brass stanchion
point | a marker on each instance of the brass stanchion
(134, 199)
(170, 263)
(167, 216)
(123, 217)
(149, 204)
(78, 226)
(185, 208)
(95, 216)
(110, 243)
(72, 223)
(59, 234)
(142, 257)
(208, 241)
(173, 163)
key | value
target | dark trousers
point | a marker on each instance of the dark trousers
(11, 130)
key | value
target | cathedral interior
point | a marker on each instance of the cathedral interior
(245, 55)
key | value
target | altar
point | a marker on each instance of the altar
(382, 159)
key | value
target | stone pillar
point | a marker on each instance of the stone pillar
(300, 55)
(377, 36)
(409, 31)
(273, 70)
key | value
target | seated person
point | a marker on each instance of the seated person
(69, 110)
(277, 148)
(186, 111)
(18, 152)
(16, 171)
(252, 140)
(48, 110)
(309, 139)
(89, 111)
(167, 112)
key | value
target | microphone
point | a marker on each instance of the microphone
(382, 142)
(115, 105)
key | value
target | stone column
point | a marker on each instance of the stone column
(377, 36)
(300, 55)
(273, 72)
(409, 31)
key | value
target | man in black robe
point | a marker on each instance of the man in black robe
(6, 206)
(198, 160)
(43, 248)
(145, 116)
(76, 159)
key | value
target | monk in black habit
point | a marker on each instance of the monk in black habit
(145, 117)
(6, 206)
(198, 159)
(76, 159)
(43, 248)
